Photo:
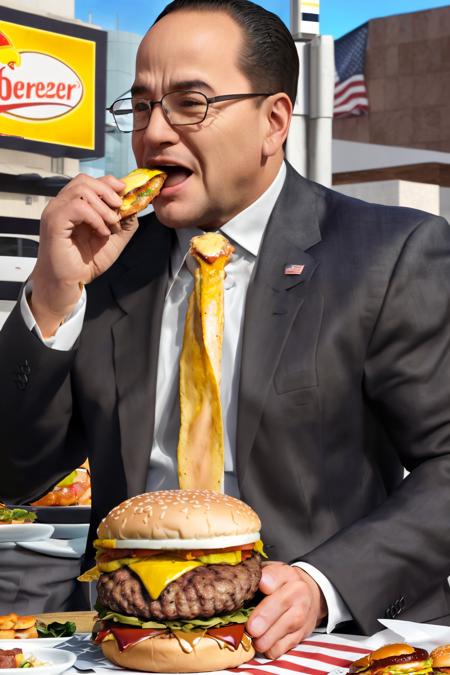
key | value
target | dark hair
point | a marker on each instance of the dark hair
(269, 57)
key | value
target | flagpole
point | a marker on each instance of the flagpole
(309, 143)
(320, 164)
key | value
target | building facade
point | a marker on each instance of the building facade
(407, 75)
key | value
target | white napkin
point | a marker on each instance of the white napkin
(425, 635)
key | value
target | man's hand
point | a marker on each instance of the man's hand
(293, 608)
(81, 237)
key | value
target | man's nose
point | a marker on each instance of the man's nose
(159, 131)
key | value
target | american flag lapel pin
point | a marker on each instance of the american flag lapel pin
(294, 269)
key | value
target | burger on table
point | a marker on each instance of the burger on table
(176, 574)
(440, 658)
(394, 659)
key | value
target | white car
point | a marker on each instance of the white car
(18, 255)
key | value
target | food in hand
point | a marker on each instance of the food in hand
(13, 516)
(73, 490)
(200, 453)
(14, 627)
(142, 186)
(394, 659)
(177, 571)
(440, 658)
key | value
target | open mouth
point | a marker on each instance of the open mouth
(175, 174)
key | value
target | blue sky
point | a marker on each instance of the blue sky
(336, 17)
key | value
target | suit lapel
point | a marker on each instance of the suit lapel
(274, 299)
(139, 291)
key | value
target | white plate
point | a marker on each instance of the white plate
(56, 661)
(70, 530)
(60, 548)
(25, 532)
(30, 643)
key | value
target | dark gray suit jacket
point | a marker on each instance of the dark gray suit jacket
(345, 380)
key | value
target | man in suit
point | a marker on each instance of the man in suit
(336, 378)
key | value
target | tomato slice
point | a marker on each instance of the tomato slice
(127, 637)
(104, 555)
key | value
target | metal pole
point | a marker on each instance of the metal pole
(297, 140)
(295, 19)
(321, 109)
(309, 144)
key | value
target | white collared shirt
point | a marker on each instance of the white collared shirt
(245, 231)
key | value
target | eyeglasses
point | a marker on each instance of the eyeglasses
(180, 108)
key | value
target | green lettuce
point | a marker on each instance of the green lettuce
(17, 514)
(239, 616)
(56, 629)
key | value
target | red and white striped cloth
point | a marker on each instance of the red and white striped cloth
(317, 655)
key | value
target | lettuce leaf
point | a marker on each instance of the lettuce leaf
(17, 514)
(239, 616)
(56, 629)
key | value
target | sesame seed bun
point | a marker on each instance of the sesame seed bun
(181, 519)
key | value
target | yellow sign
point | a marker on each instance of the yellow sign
(47, 86)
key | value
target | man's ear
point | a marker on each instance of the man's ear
(278, 111)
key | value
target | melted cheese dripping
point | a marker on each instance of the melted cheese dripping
(201, 444)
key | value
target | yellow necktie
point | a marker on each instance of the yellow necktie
(200, 445)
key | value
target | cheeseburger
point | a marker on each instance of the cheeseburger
(177, 571)
(395, 659)
(141, 187)
(440, 658)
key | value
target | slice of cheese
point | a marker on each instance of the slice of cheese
(92, 574)
(139, 177)
(105, 543)
(157, 573)
(227, 558)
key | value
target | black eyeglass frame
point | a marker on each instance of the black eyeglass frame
(208, 99)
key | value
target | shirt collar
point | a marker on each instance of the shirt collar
(246, 229)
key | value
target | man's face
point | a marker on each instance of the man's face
(220, 161)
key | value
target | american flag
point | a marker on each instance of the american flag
(350, 93)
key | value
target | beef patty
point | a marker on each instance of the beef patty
(203, 592)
